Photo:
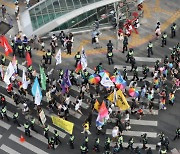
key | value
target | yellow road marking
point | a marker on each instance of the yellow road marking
(7, 4)
(147, 11)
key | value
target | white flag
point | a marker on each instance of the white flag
(83, 59)
(58, 57)
(37, 97)
(14, 63)
(106, 82)
(9, 72)
(2, 72)
(24, 81)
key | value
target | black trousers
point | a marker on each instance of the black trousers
(125, 48)
(17, 122)
(163, 42)
(110, 60)
(71, 144)
(173, 33)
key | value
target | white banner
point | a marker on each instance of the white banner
(106, 82)
(42, 117)
(58, 57)
(83, 59)
(37, 97)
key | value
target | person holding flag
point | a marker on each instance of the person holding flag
(43, 78)
(58, 57)
(66, 83)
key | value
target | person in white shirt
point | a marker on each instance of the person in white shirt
(115, 133)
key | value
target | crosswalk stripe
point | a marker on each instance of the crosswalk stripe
(156, 101)
(121, 67)
(125, 144)
(147, 59)
(4, 125)
(90, 70)
(134, 133)
(149, 79)
(8, 149)
(75, 88)
(37, 136)
(0, 136)
(139, 122)
(83, 105)
(27, 145)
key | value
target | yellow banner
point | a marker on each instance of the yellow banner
(63, 124)
(121, 101)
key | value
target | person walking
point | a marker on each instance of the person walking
(149, 49)
(21, 50)
(96, 145)
(28, 49)
(51, 143)
(56, 138)
(164, 37)
(86, 128)
(177, 136)
(46, 131)
(77, 58)
(110, 57)
(86, 141)
(69, 47)
(129, 55)
(15, 119)
(109, 46)
(3, 10)
(125, 44)
(145, 71)
(83, 149)
(120, 141)
(132, 62)
(135, 74)
(173, 30)
(49, 57)
(107, 144)
(130, 143)
(144, 140)
(27, 130)
(4, 112)
(32, 122)
(71, 141)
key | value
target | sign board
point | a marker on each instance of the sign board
(42, 117)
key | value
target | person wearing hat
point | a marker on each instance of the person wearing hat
(149, 49)
(56, 137)
(110, 57)
(129, 55)
(49, 56)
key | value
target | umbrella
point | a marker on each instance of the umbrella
(121, 85)
(133, 92)
(102, 72)
(94, 79)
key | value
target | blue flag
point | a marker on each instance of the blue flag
(35, 87)
(66, 83)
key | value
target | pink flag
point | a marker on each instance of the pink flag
(103, 112)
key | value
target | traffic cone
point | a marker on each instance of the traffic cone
(22, 139)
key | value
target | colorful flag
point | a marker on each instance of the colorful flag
(4, 43)
(28, 59)
(9, 72)
(96, 105)
(35, 86)
(106, 82)
(79, 67)
(103, 112)
(66, 83)
(43, 78)
(14, 63)
(83, 59)
(58, 57)
(121, 101)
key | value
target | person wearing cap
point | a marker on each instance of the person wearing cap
(129, 55)
(27, 130)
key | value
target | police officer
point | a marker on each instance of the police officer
(132, 62)
(145, 71)
(107, 144)
(46, 131)
(144, 140)
(120, 141)
(86, 141)
(56, 137)
(51, 143)
(163, 150)
(15, 118)
(13, 47)
(125, 73)
(69, 46)
(71, 141)
(173, 54)
(125, 44)
(129, 55)
(116, 72)
(130, 143)
(86, 76)
(3, 60)
(156, 66)
(61, 72)
(83, 149)
(96, 145)
(21, 50)
(149, 151)
(28, 49)
(4, 113)
(177, 134)
(173, 30)
(109, 56)
(77, 58)
(109, 46)
(26, 127)
(135, 74)
(32, 122)
(166, 143)
(149, 48)
(164, 37)
(49, 56)
(166, 60)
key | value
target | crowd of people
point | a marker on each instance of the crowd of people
(165, 83)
